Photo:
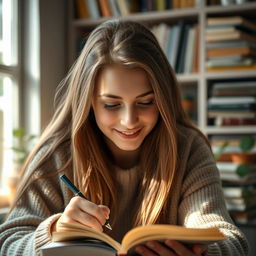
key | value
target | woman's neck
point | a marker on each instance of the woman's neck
(126, 159)
(122, 158)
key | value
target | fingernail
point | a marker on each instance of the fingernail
(169, 243)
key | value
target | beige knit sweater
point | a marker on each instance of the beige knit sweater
(196, 201)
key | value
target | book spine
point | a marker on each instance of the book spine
(105, 8)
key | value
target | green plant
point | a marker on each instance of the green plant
(220, 150)
(22, 143)
(246, 143)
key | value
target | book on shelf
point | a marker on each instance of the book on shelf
(172, 53)
(218, 140)
(234, 121)
(195, 65)
(179, 37)
(81, 9)
(182, 49)
(147, 6)
(234, 68)
(190, 50)
(220, 29)
(234, 177)
(93, 9)
(161, 33)
(227, 51)
(233, 20)
(229, 103)
(236, 35)
(230, 44)
(230, 149)
(234, 88)
(233, 140)
(226, 62)
(160, 5)
(231, 171)
(240, 204)
(230, 114)
(239, 191)
(232, 167)
(115, 10)
(105, 8)
(138, 235)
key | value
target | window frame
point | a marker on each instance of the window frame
(13, 71)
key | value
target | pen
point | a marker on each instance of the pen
(76, 192)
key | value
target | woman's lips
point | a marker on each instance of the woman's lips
(129, 134)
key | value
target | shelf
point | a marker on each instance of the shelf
(146, 17)
(188, 78)
(231, 74)
(231, 130)
(246, 8)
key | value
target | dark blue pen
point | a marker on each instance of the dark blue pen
(76, 192)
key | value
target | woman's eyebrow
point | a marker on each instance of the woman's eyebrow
(118, 97)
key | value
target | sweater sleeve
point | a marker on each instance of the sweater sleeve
(203, 204)
(27, 227)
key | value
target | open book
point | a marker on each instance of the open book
(138, 235)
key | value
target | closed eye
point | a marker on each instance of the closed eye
(111, 106)
(146, 103)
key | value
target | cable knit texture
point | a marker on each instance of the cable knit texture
(196, 200)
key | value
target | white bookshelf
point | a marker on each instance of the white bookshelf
(199, 81)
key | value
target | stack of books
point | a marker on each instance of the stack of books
(232, 103)
(238, 179)
(180, 44)
(230, 44)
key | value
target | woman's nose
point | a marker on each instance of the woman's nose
(129, 117)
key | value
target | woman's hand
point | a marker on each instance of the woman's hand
(169, 248)
(82, 211)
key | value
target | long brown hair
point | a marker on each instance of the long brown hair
(134, 46)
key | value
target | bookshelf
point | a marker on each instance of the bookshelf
(195, 81)
(198, 84)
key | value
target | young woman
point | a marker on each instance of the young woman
(120, 134)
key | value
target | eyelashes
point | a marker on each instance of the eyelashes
(111, 106)
(141, 104)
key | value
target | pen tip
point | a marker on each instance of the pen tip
(107, 225)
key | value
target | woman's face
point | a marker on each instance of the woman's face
(124, 107)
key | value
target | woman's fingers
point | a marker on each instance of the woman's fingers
(169, 248)
(99, 212)
(199, 249)
(154, 248)
(80, 210)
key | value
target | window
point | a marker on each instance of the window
(9, 83)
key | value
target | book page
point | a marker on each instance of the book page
(162, 232)
(75, 231)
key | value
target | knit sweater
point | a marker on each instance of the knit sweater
(196, 200)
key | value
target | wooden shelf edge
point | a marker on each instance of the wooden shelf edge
(230, 8)
(183, 78)
(143, 16)
(230, 129)
(231, 74)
